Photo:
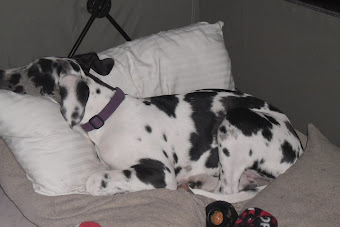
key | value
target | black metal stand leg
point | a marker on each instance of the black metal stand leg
(121, 31)
(81, 36)
(98, 9)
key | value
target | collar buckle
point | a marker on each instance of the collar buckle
(96, 122)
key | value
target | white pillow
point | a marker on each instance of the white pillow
(171, 62)
(56, 159)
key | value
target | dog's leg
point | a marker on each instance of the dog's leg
(234, 158)
(137, 178)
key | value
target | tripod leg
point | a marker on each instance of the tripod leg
(82, 35)
(116, 25)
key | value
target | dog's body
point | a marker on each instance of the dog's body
(206, 139)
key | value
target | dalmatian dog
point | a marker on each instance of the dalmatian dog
(212, 141)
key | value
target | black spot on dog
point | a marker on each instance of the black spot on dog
(166, 155)
(98, 91)
(63, 92)
(175, 157)
(148, 128)
(213, 159)
(272, 120)
(83, 93)
(73, 123)
(248, 102)
(43, 78)
(223, 129)
(151, 172)
(260, 171)
(139, 139)
(15, 78)
(267, 134)
(165, 138)
(167, 169)
(262, 161)
(127, 173)
(250, 123)
(46, 65)
(273, 108)
(178, 170)
(74, 66)
(250, 153)
(19, 89)
(289, 154)
(147, 103)
(291, 129)
(63, 111)
(236, 92)
(75, 115)
(103, 184)
(166, 103)
(60, 70)
(226, 152)
(106, 176)
(205, 122)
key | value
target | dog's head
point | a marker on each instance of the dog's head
(41, 76)
(80, 93)
(74, 93)
(63, 79)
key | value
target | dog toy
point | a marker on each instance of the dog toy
(89, 224)
(255, 217)
(221, 214)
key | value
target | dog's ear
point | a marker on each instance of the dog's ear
(74, 94)
(91, 61)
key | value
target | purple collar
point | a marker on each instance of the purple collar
(97, 121)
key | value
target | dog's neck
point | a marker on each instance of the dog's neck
(101, 100)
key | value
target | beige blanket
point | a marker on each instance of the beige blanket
(146, 208)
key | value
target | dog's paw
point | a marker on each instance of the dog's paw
(97, 183)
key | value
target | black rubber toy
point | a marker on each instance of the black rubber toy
(220, 214)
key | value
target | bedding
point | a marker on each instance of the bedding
(307, 194)
(160, 207)
(171, 62)
(163, 207)
(56, 159)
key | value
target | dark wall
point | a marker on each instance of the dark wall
(281, 52)
(36, 28)
(286, 54)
